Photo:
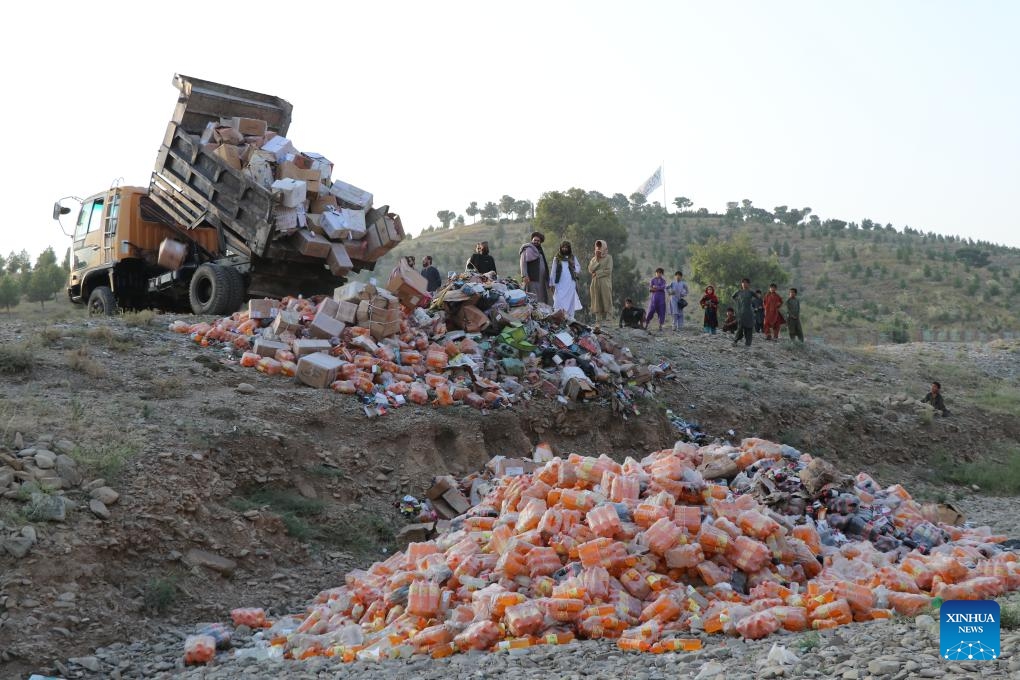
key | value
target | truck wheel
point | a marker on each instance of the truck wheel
(238, 289)
(102, 302)
(210, 290)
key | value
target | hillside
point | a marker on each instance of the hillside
(858, 286)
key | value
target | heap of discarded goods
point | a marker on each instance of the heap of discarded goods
(657, 554)
(480, 342)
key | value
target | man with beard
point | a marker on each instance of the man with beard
(480, 261)
(535, 268)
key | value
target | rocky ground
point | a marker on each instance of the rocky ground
(190, 486)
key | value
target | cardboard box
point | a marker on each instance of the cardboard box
(408, 285)
(279, 145)
(263, 309)
(440, 486)
(346, 312)
(311, 244)
(303, 348)
(322, 203)
(289, 192)
(321, 163)
(172, 253)
(383, 235)
(327, 306)
(351, 195)
(268, 348)
(338, 260)
(353, 291)
(286, 321)
(249, 126)
(229, 154)
(472, 319)
(356, 250)
(383, 314)
(334, 225)
(226, 134)
(290, 169)
(363, 312)
(318, 369)
(355, 222)
(383, 329)
(325, 326)
(289, 219)
(456, 500)
(415, 533)
(502, 466)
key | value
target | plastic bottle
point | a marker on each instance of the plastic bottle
(199, 649)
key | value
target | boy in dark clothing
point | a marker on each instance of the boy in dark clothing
(632, 316)
(758, 307)
(431, 274)
(729, 324)
(793, 316)
(745, 312)
(934, 397)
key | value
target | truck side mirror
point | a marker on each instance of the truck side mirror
(59, 210)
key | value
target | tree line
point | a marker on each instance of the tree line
(37, 283)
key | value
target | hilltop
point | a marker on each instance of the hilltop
(859, 283)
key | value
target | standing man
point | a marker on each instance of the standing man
(745, 312)
(535, 268)
(600, 266)
(793, 316)
(480, 261)
(431, 274)
(773, 317)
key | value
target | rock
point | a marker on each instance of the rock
(46, 508)
(924, 622)
(65, 446)
(89, 663)
(94, 484)
(45, 460)
(975, 487)
(710, 670)
(28, 532)
(883, 666)
(772, 672)
(204, 558)
(105, 494)
(852, 674)
(18, 547)
(19, 440)
(911, 666)
(6, 477)
(99, 509)
(246, 388)
(68, 470)
(305, 489)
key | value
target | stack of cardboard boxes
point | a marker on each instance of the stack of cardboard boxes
(326, 219)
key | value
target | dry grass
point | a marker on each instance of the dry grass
(16, 359)
(79, 360)
(167, 388)
(138, 319)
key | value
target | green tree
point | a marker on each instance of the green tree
(459, 221)
(18, 262)
(786, 249)
(619, 202)
(638, 199)
(522, 208)
(42, 282)
(472, 211)
(490, 211)
(506, 204)
(724, 263)
(795, 259)
(67, 261)
(46, 257)
(10, 291)
(683, 203)
(446, 216)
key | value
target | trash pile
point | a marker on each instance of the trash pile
(656, 554)
(480, 342)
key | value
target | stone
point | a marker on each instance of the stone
(6, 477)
(18, 547)
(710, 670)
(772, 672)
(105, 494)
(246, 388)
(94, 484)
(305, 489)
(924, 622)
(883, 666)
(45, 460)
(46, 508)
(203, 558)
(19, 440)
(852, 674)
(64, 446)
(99, 509)
(68, 470)
(89, 663)
(28, 531)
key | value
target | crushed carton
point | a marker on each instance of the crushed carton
(318, 369)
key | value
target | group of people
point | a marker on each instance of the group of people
(556, 285)
(757, 313)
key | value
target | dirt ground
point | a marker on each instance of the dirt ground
(295, 486)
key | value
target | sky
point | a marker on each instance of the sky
(903, 113)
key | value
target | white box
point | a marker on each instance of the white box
(279, 145)
(355, 220)
(350, 194)
(292, 192)
(322, 164)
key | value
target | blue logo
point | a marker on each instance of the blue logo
(969, 630)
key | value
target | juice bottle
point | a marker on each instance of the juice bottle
(523, 619)
(543, 562)
(685, 556)
(604, 520)
(199, 649)
(662, 536)
(250, 359)
(747, 554)
(712, 539)
(436, 360)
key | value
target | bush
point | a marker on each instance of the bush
(15, 359)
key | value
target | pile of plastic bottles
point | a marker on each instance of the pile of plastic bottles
(645, 552)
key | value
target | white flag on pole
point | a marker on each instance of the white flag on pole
(652, 183)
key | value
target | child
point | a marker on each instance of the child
(631, 316)
(773, 318)
(793, 316)
(710, 303)
(677, 299)
(730, 322)
(657, 302)
(758, 307)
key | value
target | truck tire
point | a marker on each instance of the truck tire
(238, 289)
(210, 291)
(102, 302)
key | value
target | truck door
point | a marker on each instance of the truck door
(88, 236)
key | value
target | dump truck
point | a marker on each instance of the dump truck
(218, 225)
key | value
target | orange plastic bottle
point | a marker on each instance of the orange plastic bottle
(250, 359)
(199, 649)
(604, 520)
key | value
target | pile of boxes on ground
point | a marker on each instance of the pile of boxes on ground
(383, 345)
(323, 217)
(656, 554)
